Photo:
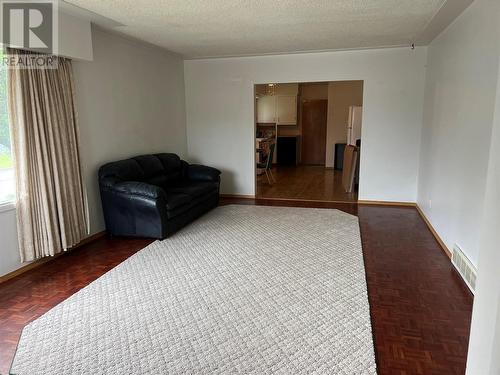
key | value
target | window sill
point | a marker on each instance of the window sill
(7, 206)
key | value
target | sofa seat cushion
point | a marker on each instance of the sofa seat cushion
(175, 201)
(194, 189)
(173, 212)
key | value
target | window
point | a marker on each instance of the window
(7, 186)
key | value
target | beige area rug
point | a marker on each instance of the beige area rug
(243, 290)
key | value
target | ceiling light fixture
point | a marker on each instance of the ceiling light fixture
(270, 89)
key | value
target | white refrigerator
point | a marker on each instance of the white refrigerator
(354, 124)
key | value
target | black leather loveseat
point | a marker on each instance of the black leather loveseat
(155, 195)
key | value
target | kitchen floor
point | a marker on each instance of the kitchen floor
(304, 182)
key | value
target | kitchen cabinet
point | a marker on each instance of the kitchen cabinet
(278, 109)
(286, 110)
(266, 109)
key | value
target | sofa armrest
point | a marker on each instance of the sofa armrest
(198, 172)
(141, 189)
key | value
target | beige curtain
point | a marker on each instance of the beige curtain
(51, 200)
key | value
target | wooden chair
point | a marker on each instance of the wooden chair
(268, 164)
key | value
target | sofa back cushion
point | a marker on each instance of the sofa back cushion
(153, 170)
(123, 170)
(172, 165)
(159, 170)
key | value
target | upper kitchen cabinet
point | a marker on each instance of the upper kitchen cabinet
(277, 103)
(266, 109)
(286, 110)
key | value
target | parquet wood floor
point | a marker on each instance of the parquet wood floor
(420, 308)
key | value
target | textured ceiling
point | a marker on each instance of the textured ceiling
(208, 28)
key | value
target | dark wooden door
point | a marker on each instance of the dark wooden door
(314, 115)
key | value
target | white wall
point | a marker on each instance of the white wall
(459, 104)
(484, 344)
(130, 100)
(219, 102)
(9, 254)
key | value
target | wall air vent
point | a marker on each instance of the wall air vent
(464, 267)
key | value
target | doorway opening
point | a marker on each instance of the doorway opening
(308, 140)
